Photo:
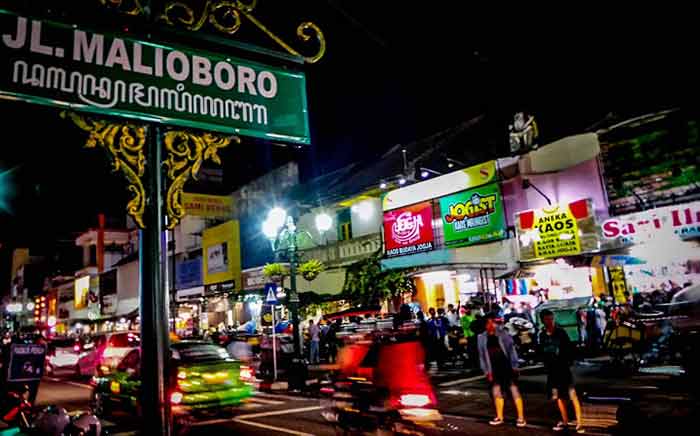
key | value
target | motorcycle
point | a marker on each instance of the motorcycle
(523, 333)
(19, 419)
(382, 388)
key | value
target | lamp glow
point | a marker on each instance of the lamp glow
(323, 222)
(277, 217)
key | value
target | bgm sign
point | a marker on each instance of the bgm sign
(473, 216)
(60, 65)
(552, 231)
(409, 230)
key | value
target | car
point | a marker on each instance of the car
(100, 354)
(203, 379)
(62, 356)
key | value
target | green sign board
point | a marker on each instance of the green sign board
(66, 66)
(473, 216)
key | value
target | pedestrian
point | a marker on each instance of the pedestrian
(437, 326)
(466, 322)
(452, 316)
(499, 361)
(558, 354)
(424, 337)
(315, 339)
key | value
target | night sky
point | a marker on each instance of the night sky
(394, 72)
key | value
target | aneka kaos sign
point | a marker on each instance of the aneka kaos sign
(409, 230)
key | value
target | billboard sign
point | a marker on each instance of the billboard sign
(209, 206)
(473, 216)
(409, 230)
(81, 292)
(557, 230)
(222, 254)
(661, 224)
(188, 273)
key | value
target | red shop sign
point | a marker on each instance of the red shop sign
(409, 230)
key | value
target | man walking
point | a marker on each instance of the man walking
(466, 323)
(557, 352)
(315, 336)
(499, 361)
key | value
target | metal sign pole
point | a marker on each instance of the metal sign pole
(274, 346)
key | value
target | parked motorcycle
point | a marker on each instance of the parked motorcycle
(19, 418)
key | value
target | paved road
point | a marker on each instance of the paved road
(463, 399)
(273, 414)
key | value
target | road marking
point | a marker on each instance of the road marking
(479, 377)
(278, 412)
(278, 397)
(272, 427)
(264, 401)
(68, 382)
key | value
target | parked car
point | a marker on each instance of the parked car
(100, 354)
(203, 376)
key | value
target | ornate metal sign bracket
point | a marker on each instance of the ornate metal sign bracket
(186, 151)
(226, 17)
(124, 143)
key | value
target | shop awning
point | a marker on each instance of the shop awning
(616, 260)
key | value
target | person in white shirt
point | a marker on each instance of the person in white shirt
(452, 316)
(315, 335)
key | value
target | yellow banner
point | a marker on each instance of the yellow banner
(222, 254)
(81, 291)
(558, 233)
(212, 206)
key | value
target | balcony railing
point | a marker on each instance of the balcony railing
(342, 252)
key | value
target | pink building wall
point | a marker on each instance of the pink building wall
(576, 182)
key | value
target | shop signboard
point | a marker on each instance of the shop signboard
(188, 273)
(222, 254)
(557, 230)
(409, 230)
(253, 279)
(27, 362)
(473, 216)
(81, 292)
(460, 180)
(108, 292)
(662, 224)
(618, 284)
(209, 206)
(72, 67)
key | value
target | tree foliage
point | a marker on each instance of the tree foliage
(367, 284)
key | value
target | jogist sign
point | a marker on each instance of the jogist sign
(59, 65)
(409, 230)
(681, 221)
(473, 216)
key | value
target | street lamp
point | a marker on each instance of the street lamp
(280, 229)
(324, 222)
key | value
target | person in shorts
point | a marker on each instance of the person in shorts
(558, 354)
(499, 361)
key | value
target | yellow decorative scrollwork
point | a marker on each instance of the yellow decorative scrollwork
(218, 11)
(132, 7)
(186, 152)
(124, 143)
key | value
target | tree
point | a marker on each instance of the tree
(367, 284)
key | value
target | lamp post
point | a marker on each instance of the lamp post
(280, 229)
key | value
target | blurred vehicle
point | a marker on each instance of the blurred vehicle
(17, 417)
(101, 354)
(62, 356)
(205, 379)
(382, 386)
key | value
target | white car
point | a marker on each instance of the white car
(100, 354)
(62, 356)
